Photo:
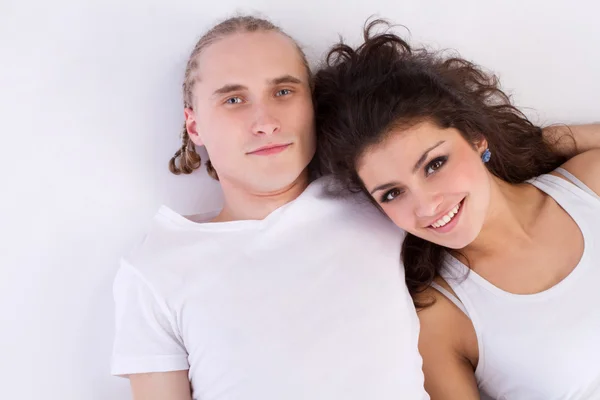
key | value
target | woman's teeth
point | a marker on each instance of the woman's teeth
(446, 218)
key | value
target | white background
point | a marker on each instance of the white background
(90, 113)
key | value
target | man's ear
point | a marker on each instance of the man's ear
(192, 127)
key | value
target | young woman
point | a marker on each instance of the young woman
(502, 253)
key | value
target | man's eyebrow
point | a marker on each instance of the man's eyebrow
(234, 87)
(285, 79)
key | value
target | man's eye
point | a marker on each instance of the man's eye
(233, 100)
(283, 92)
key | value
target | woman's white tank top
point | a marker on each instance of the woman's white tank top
(546, 345)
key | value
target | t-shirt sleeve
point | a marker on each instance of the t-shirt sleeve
(146, 337)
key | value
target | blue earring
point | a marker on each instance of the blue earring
(487, 154)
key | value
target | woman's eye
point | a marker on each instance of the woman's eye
(391, 195)
(283, 92)
(435, 164)
(233, 100)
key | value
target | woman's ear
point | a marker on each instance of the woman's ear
(481, 145)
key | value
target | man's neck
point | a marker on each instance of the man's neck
(240, 204)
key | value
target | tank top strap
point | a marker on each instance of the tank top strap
(446, 293)
(576, 181)
(566, 191)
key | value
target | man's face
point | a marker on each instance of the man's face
(253, 110)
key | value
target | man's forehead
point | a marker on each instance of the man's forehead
(252, 42)
(250, 58)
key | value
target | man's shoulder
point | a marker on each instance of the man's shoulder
(170, 242)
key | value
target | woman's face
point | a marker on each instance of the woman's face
(430, 182)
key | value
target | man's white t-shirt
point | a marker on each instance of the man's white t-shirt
(309, 303)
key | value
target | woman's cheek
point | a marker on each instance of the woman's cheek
(461, 176)
(401, 215)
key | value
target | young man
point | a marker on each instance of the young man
(286, 293)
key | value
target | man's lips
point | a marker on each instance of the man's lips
(270, 149)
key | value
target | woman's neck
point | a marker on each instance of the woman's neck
(512, 213)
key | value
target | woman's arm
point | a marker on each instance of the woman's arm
(573, 140)
(447, 343)
(161, 385)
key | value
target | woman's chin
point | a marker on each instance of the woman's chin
(453, 242)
